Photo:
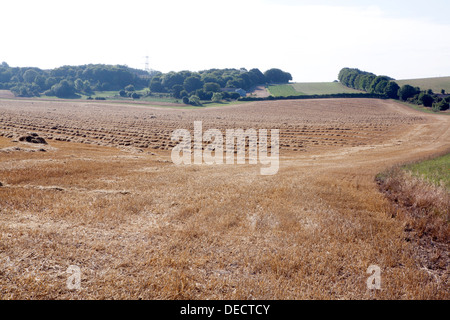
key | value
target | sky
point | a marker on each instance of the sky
(312, 40)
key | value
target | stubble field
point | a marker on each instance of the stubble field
(105, 196)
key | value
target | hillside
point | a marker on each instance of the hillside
(435, 84)
(309, 88)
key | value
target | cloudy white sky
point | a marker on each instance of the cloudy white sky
(312, 40)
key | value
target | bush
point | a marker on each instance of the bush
(216, 97)
(194, 100)
(135, 95)
(185, 100)
(426, 99)
(234, 95)
(441, 106)
(64, 89)
(407, 92)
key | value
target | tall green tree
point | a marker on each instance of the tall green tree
(30, 75)
(407, 91)
(64, 89)
(192, 83)
(211, 86)
(275, 75)
(391, 90)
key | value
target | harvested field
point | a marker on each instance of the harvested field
(339, 122)
(104, 195)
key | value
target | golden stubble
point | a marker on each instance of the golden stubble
(140, 227)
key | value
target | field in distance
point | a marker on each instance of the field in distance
(435, 84)
(309, 88)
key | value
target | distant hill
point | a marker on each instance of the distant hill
(435, 84)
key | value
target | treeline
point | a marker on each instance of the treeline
(209, 84)
(70, 81)
(384, 85)
(191, 87)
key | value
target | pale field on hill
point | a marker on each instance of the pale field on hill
(435, 84)
(106, 197)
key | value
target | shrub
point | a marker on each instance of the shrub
(234, 95)
(441, 106)
(407, 91)
(216, 97)
(129, 88)
(426, 99)
(194, 100)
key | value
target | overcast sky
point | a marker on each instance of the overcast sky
(312, 40)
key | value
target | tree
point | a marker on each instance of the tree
(79, 85)
(275, 75)
(367, 81)
(194, 100)
(391, 90)
(30, 75)
(155, 85)
(63, 89)
(177, 89)
(50, 82)
(209, 77)
(40, 82)
(130, 88)
(135, 95)
(426, 99)
(257, 77)
(381, 87)
(171, 79)
(211, 86)
(192, 83)
(235, 83)
(407, 91)
(441, 105)
(184, 93)
(216, 97)
(378, 84)
(87, 87)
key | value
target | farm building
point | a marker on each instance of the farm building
(242, 92)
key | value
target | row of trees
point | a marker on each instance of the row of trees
(369, 82)
(384, 85)
(204, 84)
(67, 81)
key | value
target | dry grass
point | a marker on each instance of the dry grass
(140, 227)
(424, 210)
